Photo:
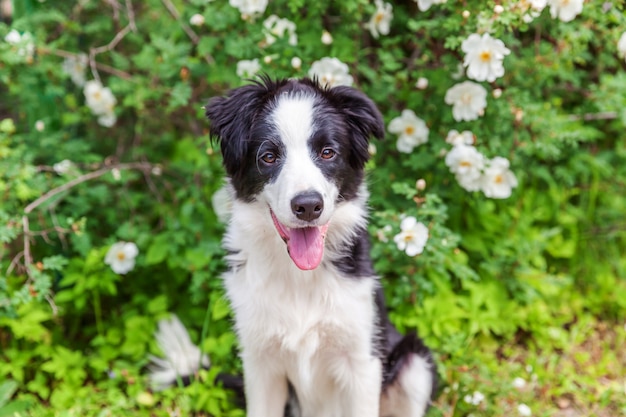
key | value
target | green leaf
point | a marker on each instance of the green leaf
(220, 309)
(158, 250)
(179, 96)
(7, 389)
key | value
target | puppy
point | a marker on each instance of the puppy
(309, 310)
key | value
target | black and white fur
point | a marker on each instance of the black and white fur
(314, 334)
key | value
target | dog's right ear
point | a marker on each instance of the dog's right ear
(231, 118)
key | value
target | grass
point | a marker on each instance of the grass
(582, 373)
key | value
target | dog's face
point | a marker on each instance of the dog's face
(300, 150)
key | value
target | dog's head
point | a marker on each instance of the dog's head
(298, 148)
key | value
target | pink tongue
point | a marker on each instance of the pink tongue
(306, 247)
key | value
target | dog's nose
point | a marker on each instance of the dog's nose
(308, 206)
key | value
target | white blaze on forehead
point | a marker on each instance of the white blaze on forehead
(293, 117)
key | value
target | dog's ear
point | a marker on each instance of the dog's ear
(363, 118)
(231, 118)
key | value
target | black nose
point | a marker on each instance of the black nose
(308, 206)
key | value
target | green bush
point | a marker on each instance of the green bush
(103, 140)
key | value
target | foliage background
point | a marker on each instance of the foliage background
(531, 286)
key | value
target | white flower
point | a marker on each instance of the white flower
(380, 21)
(121, 257)
(62, 167)
(182, 357)
(498, 180)
(40, 125)
(475, 399)
(296, 63)
(327, 38)
(421, 83)
(420, 184)
(483, 57)
(412, 237)
(519, 382)
(275, 27)
(331, 72)
(99, 99)
(463, 138)
(524, 410)
(222, 202)
(468, 100)
(196, 20)
(24, 45)
(247, 68)
(565, 10)
(249, 8)
(497, 9)
(466, 163)
(75, 67)
(424, 5)
(13, 37)
(101, 102)
(621, 46)
(531, 9)
(107, 119)
(411, 129)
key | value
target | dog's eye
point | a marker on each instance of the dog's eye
(328, 153)
(269, 157)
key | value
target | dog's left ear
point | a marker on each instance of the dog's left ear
(364, 120)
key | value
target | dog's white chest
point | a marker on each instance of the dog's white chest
(314, 327)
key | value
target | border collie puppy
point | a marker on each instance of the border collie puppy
(309, 310)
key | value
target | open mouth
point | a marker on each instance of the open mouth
(305, 245)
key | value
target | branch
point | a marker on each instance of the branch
(102, 67)
(105, 48)
(188, 30)
(28, 257)
(607, 115)
(142, 166)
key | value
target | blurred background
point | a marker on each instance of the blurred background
(506, 143)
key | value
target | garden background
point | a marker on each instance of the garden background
(517, 281)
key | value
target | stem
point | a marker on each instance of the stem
(97, 307)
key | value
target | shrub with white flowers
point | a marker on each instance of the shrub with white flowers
(23, 44)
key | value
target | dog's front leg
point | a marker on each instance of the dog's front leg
(364, 399)
(265, 386)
